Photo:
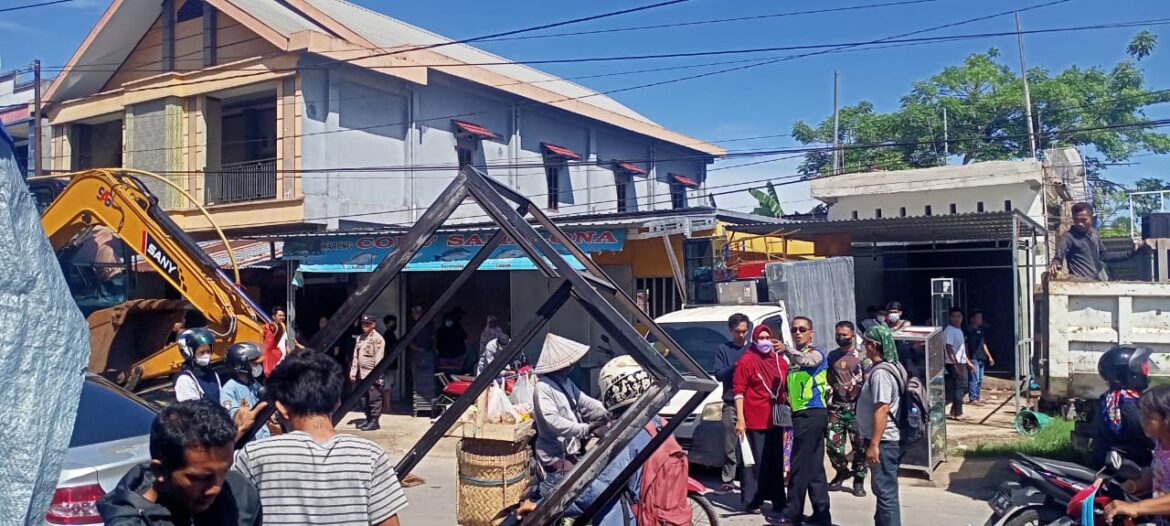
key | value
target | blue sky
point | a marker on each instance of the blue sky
(759, 101)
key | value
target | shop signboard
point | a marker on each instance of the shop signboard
(447, 251)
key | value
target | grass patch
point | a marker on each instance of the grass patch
(1054, 442)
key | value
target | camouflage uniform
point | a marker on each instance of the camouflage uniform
(845, 379)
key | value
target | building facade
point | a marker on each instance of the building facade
(322, 115)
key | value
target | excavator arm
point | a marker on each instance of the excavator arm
(120, 202)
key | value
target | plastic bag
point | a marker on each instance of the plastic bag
(522, 393)
(749, 460)
(499, 408)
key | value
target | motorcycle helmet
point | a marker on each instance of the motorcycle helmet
(191, 340)
(240, 357)
(1126, 367)
(622, 381)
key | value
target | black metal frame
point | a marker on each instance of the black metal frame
(596, 292)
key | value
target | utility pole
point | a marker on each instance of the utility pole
(837, 160)
(38, 169)
(946, 140)
(1027, 95)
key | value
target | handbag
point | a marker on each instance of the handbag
(781, 411)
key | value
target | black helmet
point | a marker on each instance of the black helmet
(1126, 367)
(191, 340)
(241, 355)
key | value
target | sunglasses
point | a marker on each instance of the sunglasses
(800, 330)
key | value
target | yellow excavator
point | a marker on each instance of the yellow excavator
(84, 215)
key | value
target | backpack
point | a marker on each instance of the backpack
(912, 414)
(663, 495)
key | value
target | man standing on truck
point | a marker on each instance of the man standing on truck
(726, 357)
(808, 391)
(1080, 251)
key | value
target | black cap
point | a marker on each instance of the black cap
(366, 318)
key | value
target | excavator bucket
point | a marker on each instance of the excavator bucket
(129, 341)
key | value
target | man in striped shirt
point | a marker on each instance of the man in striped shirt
(313, 475)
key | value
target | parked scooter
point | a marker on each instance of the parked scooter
(1042, 493)
(1087, 507)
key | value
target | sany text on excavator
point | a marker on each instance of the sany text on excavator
(129, 336)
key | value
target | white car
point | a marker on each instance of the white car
(700, 331)
(111, 435)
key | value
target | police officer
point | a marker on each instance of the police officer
(196, 379)
(369, 349)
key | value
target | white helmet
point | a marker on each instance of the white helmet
(622, 381)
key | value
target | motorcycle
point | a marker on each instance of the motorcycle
(1040, 495)
(702, 512)
(1087, 507)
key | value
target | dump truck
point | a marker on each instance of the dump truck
(89, 217)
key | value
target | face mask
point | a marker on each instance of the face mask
(844, 341)
(257, 370)
(203, 360)
(764, 346)
(448, 323)
(894, 317)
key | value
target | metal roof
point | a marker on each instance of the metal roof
(985, 226)
(249, 254)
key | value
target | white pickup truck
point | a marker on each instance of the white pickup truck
(700, 331)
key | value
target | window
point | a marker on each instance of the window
(877, 213)
(678, 195)
(979, 206)
(661, 295)
(553, 169)
(902, 211)
(464, 153)
(191, 10)
(954, 208)
(622, 183)
(855, 214)
(1007, 205)
(928, 210)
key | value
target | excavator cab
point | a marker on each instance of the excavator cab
(91, 219)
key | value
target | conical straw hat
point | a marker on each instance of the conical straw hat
(559, 353)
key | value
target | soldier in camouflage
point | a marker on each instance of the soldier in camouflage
(845, 378)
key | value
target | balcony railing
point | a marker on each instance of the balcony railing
(240, 182)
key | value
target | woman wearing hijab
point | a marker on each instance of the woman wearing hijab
(877, 421)
(759, 387)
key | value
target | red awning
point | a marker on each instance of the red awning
(684, 180)
(630, 167)
(474, 130)
(560, 151)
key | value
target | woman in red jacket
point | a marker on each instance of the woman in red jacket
(758, 385)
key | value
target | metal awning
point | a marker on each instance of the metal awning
(474, 130)
(684, 180)
(984, 226)
(249, 254)
(561, 151)
(631, 167)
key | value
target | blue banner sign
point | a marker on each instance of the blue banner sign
(450, 251)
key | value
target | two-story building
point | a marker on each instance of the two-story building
(322, 122)
(320, 114)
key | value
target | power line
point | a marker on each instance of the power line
(30, 6)
(740, 51)
(602, 163)
(715, 21)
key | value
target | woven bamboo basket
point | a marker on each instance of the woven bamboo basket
(492, 476)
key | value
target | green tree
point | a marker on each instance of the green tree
(983, 99)
(769, 201)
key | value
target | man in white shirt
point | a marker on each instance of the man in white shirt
(957, 361)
